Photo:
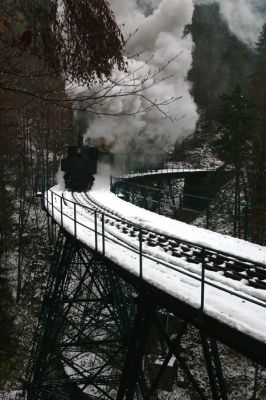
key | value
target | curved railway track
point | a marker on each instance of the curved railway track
(248, 273)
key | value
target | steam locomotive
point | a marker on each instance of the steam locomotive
(79, 166)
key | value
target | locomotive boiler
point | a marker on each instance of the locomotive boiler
(79, 166)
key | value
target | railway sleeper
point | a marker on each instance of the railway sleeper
(235, 268)
(234, 275)
(211, 267)
(260, 272)
(257, 284)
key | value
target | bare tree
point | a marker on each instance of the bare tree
(58, 43)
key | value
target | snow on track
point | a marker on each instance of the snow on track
(174, 275)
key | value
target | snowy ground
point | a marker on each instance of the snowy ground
(173, 275)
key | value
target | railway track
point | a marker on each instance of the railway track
(248, 273)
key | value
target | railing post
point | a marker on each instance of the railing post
(61, 207)
(111, 184)
(207, 217)
(103, 234)
(246, 222)
(43, 200)
(159, 202)
(140, 253)
(75, 220)
(202, 282)
(95, 230)
(180, 200)
(52, 205)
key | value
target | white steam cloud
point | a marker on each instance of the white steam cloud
(245, 18)
(159, 38)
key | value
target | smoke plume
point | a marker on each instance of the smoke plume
(158, 37)
(245, 18)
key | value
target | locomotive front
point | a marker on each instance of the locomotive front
(79, 167)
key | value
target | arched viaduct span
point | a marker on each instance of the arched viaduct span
(118, 273)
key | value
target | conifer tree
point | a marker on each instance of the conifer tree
(233, 144)
(258, 89)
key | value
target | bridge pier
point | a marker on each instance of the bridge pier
(214, 367)
(136, 347)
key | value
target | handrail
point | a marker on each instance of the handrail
(101, 236)
(124, 179)
(125, 187)
(167, 169)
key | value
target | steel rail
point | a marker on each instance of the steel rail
(142, 253)
(209, 252)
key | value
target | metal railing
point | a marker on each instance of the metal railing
(57, 206)
(156, 200)
(170, 168)
(140, 195)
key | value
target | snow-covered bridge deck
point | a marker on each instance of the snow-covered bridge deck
(145, 246)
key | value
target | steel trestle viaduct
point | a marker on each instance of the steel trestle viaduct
(108, 332)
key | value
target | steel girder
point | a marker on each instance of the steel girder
(81, 336)
(100, 338)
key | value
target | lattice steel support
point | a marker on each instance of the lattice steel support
(214, 367)
(101, 338)
(81, 336)
(136, 349)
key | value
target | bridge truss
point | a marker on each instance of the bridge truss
(104, 335)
